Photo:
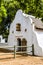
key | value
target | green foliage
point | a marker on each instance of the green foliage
(8, 9)
(2, 13)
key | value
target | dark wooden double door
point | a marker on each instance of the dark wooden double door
(22, 42)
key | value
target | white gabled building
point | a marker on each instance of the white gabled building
(23, 32)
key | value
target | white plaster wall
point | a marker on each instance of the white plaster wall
(29, 35)
(25, 24)
(2, 40)
(37, 48)
(37, 40)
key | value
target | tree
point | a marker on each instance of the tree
(3, 15)
(8, 8)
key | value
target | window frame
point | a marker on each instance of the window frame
(18, 27)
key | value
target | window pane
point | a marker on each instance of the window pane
(18, 27)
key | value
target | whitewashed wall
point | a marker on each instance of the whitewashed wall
(29, 35)
(1, 39)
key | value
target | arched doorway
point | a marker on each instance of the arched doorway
(24, 43)
(19, 43)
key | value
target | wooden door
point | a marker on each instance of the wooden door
(24, 43)
(19, 44)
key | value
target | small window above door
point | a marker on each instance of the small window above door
(18, 27)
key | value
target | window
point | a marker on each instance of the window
(18, 27)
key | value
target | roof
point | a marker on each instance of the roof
(37, 21)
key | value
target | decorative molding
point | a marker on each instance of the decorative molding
(19, 36)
